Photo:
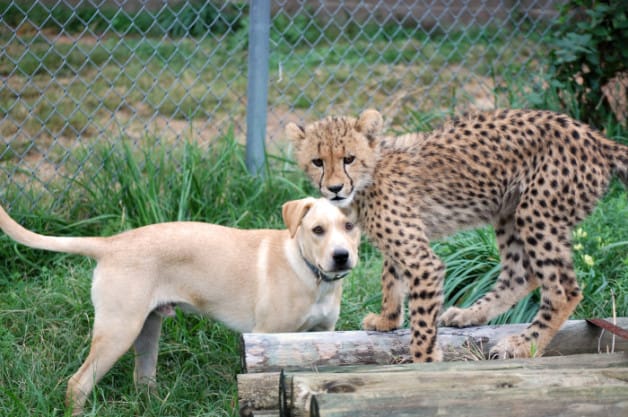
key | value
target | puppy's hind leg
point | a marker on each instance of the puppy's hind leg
(146, 350)
(112, 337)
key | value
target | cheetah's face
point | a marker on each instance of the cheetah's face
(338, 153)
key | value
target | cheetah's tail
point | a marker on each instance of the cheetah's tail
(617, 155)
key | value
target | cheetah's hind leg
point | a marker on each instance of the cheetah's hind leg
(547, 243)
(514, 283)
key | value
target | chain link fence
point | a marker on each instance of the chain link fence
(80, 74)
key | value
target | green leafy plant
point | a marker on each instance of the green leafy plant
(587, 53)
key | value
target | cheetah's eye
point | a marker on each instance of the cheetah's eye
(349, 159)
(317, 162)
(318, 230)
(349, 226)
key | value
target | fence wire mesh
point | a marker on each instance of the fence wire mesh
(81, 74)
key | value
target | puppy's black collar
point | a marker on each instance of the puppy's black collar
(321, 275)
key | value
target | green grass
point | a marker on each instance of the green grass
(181, 20)
(45, 306)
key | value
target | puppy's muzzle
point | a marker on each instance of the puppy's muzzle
(341, 265)
(340, 268)
(341, 259)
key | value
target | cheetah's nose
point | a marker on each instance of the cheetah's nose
(334, 188)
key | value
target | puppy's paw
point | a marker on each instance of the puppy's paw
(378, 323)
(514, 347)
(146, 382)
(460, 317)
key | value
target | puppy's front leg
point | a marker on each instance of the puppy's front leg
(146, 350)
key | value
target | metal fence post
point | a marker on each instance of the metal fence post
(257, 88)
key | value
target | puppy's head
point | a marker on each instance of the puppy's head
(326, 236)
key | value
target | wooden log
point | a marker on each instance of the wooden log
(272, 352)
(261, 394)
(258, 393)
(446, 388)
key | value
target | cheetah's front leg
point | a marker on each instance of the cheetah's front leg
(393, 293)
(413, 265)
(424, 276)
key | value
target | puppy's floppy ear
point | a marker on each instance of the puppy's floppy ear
(294, 211)
(295, 133)
(370, 123)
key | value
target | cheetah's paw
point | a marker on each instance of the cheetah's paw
(378, 323)
(514, 347)
(460, 317)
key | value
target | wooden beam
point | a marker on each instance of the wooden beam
(584, 385)
(581, 401)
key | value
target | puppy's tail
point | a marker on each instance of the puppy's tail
(87, 246)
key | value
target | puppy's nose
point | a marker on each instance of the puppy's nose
(335, 188)
(340, 256)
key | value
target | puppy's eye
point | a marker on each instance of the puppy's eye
(349, 226)
(318, 230)
(349, 159)
(317, 162)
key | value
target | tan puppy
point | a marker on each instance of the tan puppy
(251, 280)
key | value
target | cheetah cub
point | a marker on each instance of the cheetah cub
(531, 174)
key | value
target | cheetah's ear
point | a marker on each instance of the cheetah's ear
(294, 211)
(370, 123)
(295, 132)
